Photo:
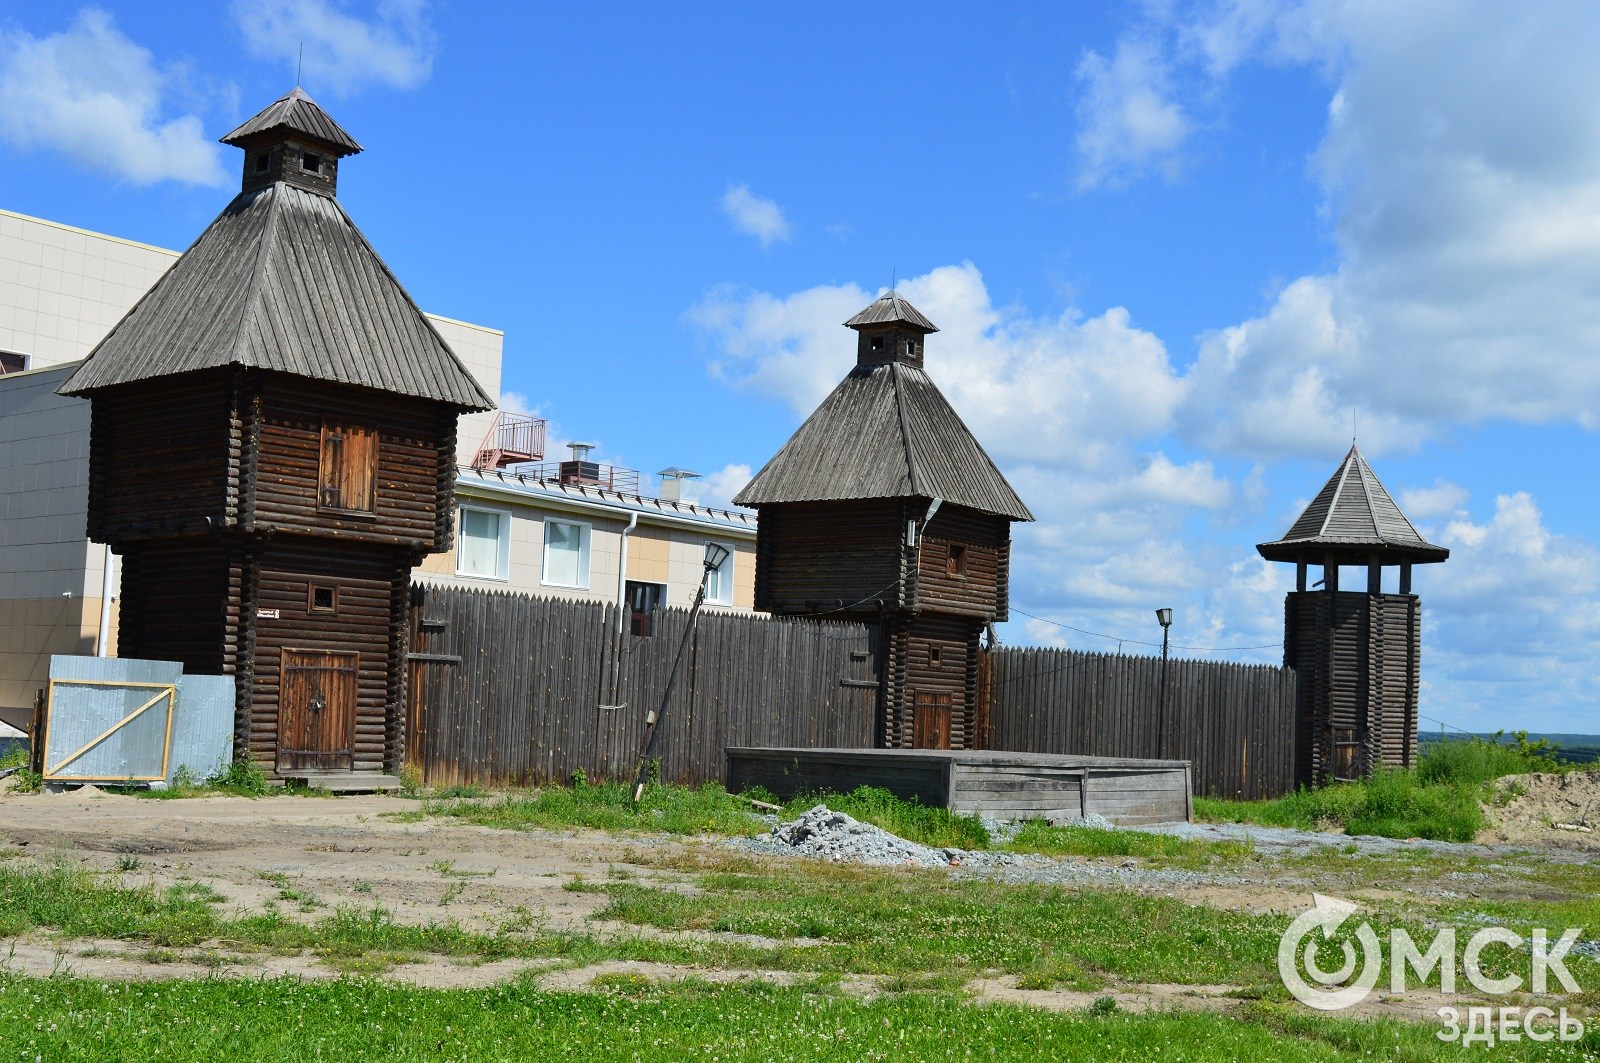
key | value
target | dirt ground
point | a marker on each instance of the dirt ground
(1546, 809)
(308, 856)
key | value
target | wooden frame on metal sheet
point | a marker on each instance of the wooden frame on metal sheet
(169, 691)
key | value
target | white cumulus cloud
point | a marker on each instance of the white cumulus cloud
(99, 98)
(719, 487)
(1128, 120)
(755, 215)
(345, 51)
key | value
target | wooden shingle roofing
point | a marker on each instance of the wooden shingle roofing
(298, 113)
(1354, 514)
(282, 280)
(888, 309)
(884, 432)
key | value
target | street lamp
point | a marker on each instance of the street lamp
(716, 554)
(1165, 618)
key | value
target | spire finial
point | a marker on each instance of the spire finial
(299, 64)
(1352, 426)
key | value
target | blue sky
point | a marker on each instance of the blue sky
(1172, 247)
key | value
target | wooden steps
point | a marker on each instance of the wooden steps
(346, 782)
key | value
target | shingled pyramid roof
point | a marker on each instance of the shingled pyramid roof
(888, 309)
(1353, 513)
(884, 432)
(282, 280)
(299, 113)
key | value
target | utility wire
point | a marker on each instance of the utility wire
(1136, 642)
(1580, 755)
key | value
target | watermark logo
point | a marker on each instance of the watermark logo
(1297, 957)
(1361, 962)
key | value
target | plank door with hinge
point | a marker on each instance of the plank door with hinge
(317, 710)
(930, 719)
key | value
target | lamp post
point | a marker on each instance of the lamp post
(1165, 618)
(716, 554)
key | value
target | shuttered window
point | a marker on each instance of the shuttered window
(348, 472)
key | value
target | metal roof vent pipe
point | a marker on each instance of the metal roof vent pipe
(579, 469)
(680, 485)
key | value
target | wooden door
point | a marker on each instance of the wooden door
(930, 719)
(317, 710)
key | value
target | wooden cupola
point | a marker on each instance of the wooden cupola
(1353, 521)
(294, 141)
(890, 330)
(1357, 653)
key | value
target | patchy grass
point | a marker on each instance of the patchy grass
(1037, 836)
(877, 922)
(707, 809)
(223, 1020)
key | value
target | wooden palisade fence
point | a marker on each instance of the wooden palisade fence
(507, 689)
(510, 689)
(1235, 722)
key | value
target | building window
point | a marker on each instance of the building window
(311, 162)
(877, 343)
(719, 581)
(12, 363)
(911, 347)
(955, 563)
(263, 161)
(643, 601)
(482, 545)
(566, 554)
(348, 473)
(935, 656)
(322, 598)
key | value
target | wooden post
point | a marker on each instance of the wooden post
(1374, 577)
(1330, 576)
(1300, 575)
(1405, 578)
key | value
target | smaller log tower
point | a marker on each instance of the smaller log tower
(1357, 652)
(883, 507)
(271, 451)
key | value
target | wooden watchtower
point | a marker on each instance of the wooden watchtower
(1357, 652)
(883, 507)
(272, 449)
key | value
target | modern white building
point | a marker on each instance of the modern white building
(567, 529)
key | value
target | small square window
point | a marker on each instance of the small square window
(311, 162)
(263, 161)
(956, 562)
(935, 656)
(322, 598)
(877, 343)
(911, 347)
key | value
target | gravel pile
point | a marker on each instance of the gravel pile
(823, 834)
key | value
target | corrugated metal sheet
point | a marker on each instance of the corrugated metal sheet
(188, 721)
(885, 432)
(1353, 509)
(283, 280)
(90, 696)
(299, 112)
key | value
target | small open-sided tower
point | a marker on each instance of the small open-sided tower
(1357, 651)
(272, 449)
(883, 507)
